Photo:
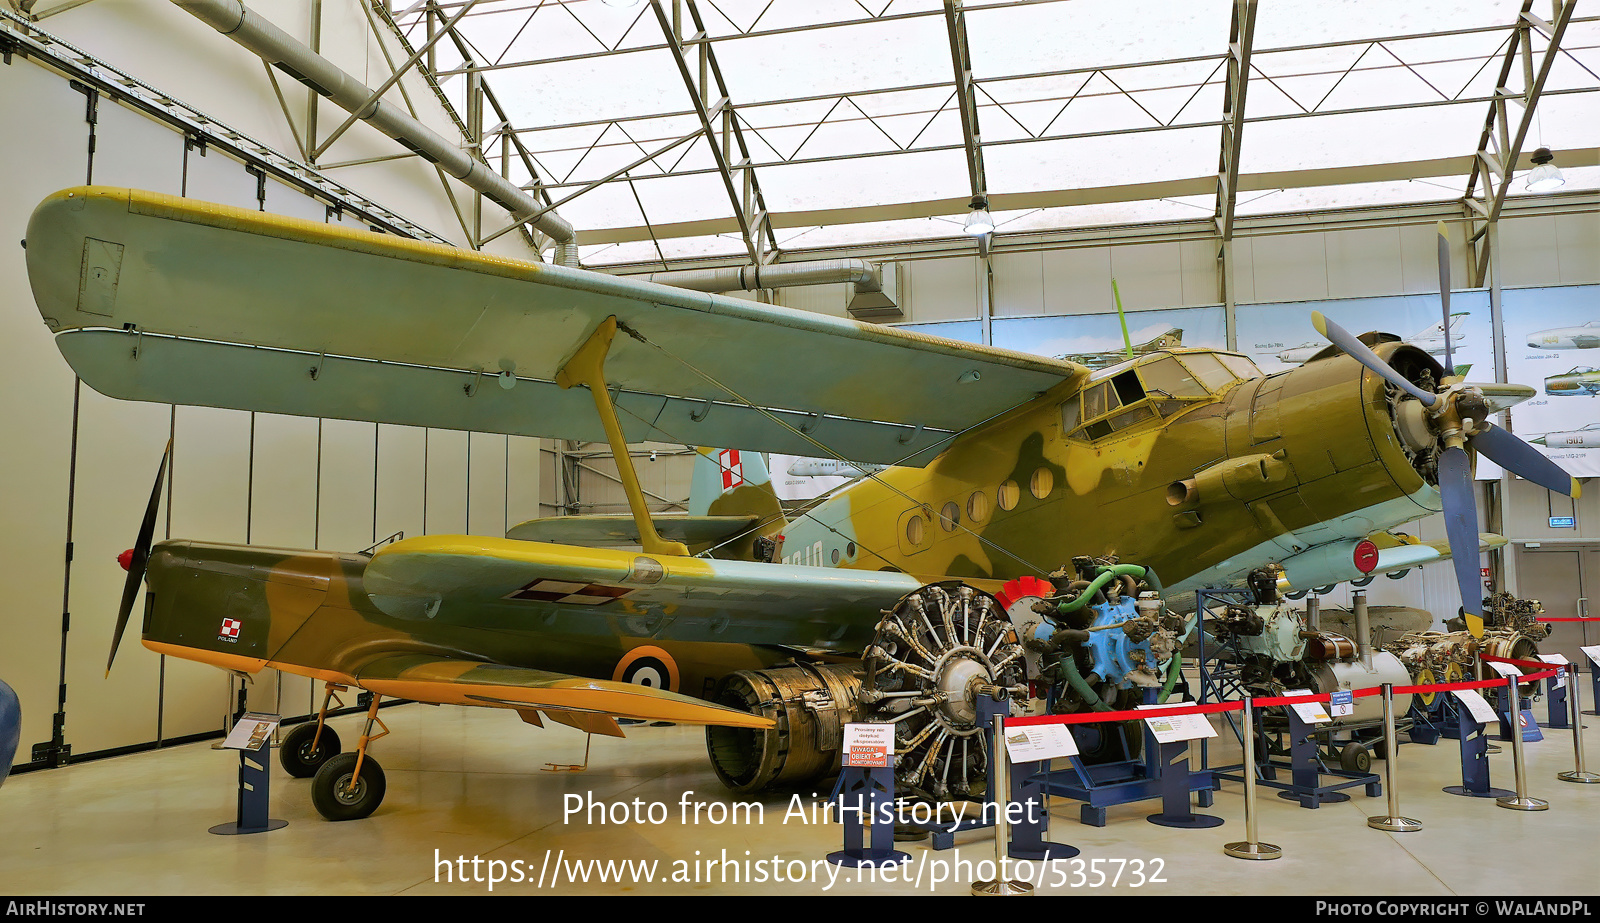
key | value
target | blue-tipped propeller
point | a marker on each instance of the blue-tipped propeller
(1456, 415)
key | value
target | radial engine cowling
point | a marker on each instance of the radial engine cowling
(809, 705)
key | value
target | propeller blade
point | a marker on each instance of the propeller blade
(1444, 294)
(1461, 528)
(1357, 349)
(141, 555)
(1523, 460)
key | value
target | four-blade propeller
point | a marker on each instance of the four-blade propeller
(1457, 416)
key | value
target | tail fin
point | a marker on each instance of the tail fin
(732, 482)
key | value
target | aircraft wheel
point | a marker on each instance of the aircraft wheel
(1355, 758)
(1362, 581)
(297, 757)
(335, 799)
(1380, 750)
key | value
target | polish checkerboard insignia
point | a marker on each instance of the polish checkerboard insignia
(578, 594)
(230, 629)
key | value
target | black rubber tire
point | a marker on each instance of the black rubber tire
(296, 756)
(1380, 750)
(1355, 758)
(327, 788)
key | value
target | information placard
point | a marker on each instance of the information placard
(1309, 712)
(1341, 703)
(1475, 704)
(868, 745)
(1560, 661)
(1171, 729)
(1040, 742)
(251, 731)
(1593, 651)
(1504, 669)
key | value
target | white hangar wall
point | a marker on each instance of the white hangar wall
(76, 466)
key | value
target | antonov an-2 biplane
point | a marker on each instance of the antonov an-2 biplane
(1006, 467)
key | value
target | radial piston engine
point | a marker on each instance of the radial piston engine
(1098, 638)
(931, 658)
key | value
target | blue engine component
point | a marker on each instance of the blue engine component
(1112, 649)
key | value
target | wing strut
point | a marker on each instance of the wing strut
(588, 367)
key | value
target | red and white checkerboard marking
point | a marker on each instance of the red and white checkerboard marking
(581, 594)
(230, 629)
(732, 468)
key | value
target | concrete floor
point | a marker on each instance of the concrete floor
(467, 783)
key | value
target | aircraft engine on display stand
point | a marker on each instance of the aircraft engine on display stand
(1093, 637)
(1512, 631)
(1269, 647)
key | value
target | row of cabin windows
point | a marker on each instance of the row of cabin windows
(978, 506)
(1162, 387)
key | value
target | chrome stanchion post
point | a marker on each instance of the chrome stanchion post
(1579, 774)
(1393, 823)
(1001, 798)
(1251, 848)
(1520, 801)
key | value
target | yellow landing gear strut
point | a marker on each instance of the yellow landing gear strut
(307, 747)
(351, 785)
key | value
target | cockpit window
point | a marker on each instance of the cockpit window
(1241, 366)
(1209, 370)
(1167, 376)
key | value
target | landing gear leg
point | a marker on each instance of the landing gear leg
(306, 748)
(351, 785)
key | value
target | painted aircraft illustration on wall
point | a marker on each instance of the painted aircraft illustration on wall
(831, 468)
(1578, 381)
(1171, 339)
(1587, 437)
(1006, 467)
(1430, 340)
(1584, 336)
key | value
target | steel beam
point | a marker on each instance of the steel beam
(744, 191)
(955, 20)
(1495, 164)
(1241, 35)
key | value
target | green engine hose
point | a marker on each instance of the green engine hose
(1173, 667)
(1069, 669)
(1106, 576)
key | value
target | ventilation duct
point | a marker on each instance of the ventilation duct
(278, 48)
(873, 286)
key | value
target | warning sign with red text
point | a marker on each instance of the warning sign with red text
(869, 745)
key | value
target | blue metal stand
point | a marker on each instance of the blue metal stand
(868, 790)
(1555, 697)
(1530, 727)
(1173, 769)
(944, 835)
(1126, 781)
(1306, 771)
(255, 788)
(1028, 831)
(1474, 758)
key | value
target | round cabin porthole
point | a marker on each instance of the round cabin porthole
(1008, 495)
(1043, 481)
(978, 506)
(950, 516)
(914, 531)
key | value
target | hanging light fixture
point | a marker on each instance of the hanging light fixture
(978, 223)
(1545, 175)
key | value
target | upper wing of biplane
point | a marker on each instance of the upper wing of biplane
(599, 530)
(161, 298)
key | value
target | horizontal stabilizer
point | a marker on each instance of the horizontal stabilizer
(604, 531)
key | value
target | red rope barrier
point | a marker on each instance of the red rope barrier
(1095, 717)
(1587, 618)
(1450, 687)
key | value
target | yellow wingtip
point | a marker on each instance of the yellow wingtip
(1475, 625)
(1319, 322)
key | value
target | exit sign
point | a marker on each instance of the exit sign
(1563, 522)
